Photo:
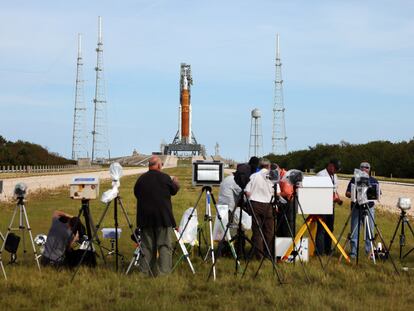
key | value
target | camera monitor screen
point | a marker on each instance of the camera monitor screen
(207, 173)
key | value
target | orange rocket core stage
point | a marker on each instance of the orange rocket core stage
(185, 114)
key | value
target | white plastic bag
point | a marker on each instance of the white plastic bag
(220, 227)
(246, 219)
(190, 234)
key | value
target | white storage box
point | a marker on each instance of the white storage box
(316, 195)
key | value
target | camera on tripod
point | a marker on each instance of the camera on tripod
(207, 173)
(84, 188)
(20, 191)
(116, 172)
(362, 190)
(273, 176)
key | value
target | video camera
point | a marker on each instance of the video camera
(20, 191)
(362, 190)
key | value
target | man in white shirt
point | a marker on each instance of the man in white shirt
(323, 240)
(260, 191)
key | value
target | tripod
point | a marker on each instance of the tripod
(275, 201)
(138, 255)
(402, 221)
(117, 201)
(207, 217)
(242, 238)
(184, 250)
(23, 226)
(365, 214)
(92, 237)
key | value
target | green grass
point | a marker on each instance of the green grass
(343, 287)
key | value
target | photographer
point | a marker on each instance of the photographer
(323, 240)
(289, 208)
(155, 218)
(260, 192)
(355, 214)
(63, 233)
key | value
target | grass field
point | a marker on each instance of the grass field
(342, 287)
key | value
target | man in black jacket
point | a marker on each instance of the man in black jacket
(155, 218)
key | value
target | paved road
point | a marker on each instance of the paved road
(54, 181)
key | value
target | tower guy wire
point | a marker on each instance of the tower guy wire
(279, 144)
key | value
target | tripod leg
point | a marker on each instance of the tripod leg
(184, 250)
(232, 249)
(383, 242)
(309, 231)
(395, 232)
(266, 245)
(9, 229)
(294, 245)
(31, 237)
(358, 236)
(339, 239)
(127, 217)
(412, 232)
(22, 227)
(210, 224)
(95, 236)
(191, 215)
(369, 236)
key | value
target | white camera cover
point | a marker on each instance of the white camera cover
(109, 195)
(115, 170)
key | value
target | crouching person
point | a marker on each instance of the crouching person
(64, 232)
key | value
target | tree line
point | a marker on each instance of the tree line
(386, 158)
(25, 153)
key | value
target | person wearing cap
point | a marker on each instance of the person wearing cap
(323, 240)
(355, 208)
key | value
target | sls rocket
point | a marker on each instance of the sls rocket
(184, 118)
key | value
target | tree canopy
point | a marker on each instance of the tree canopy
(386, 158)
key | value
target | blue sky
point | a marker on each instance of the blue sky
(348, 69)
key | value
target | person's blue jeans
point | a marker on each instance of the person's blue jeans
(354, 229)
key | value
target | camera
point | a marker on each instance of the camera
(207, 173)
(84, 188)
(293, 177)
(273, 176)
(20, 191)
(404, 204)
(363, 191)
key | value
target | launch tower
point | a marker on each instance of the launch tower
(279, 138)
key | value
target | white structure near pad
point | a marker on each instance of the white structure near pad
(315, 195)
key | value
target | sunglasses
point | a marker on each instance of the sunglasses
(365, 167)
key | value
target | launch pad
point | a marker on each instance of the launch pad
(184, 142)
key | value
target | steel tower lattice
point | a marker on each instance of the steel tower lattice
(100, 141)
(279, 144)
(79, 137)
(256, 138)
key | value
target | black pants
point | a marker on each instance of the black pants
(323, 240)
(289, 209)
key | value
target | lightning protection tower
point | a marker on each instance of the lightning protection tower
(256, 138)
(79, 137)
(279, 145)
(100, 143)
